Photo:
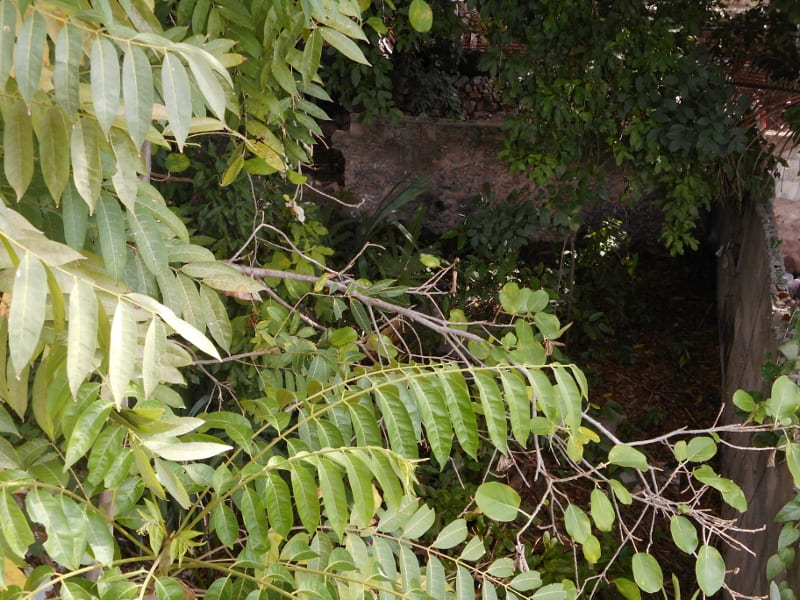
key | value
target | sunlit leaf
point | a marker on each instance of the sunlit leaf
(420, 15)
(709, 570)
(452, 535)
(87, 170)
(647, 572)
(577, 523)
(603, 513)
(17, 145)
(343, 44)
(176, 91)
(498, 501)
(15, 530)
(105, 81)
(113, 240)
(27, 314)
(627, 456)
(137, 91)
(66, 74)
(29, 53)
(122, 350)
(82, 334)
(8, 29)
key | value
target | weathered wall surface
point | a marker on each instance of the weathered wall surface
(749, 275)
(458, 157)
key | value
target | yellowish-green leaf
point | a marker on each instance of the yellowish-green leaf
(498, 501)
(219, 325)
(420, 16)
(66, 75)
(29, 54)
(176, 91)
(137, 92)
(52, 133)
(28, 309)
(155, 343)
(235, 164)
(17, 145)
(312, 53)
(87, 427)
(621, 492)
(87, 170)
(82, 335)
(627, 456)
(8, 32)
(105, 83)
(121, 361)
(222, 277)
(647, 572)
(15, 531)
(149, 241)
(577, 523)
(173, 486)
(602, 510)
(124, 178)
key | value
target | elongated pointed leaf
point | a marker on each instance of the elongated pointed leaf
(224, 523)
(190, 299)
(137, 92)
(465, 584)
(125, 178)
(87, 170)
(113, 240)
(101, 541)
(462, 415)
(87, 428)
(343, 44)
(64, 523)
(304, 489)
(494, 410)
(15, 530)
(519, 403)
(155, 344)
(66, 74)
(123, 349)
(27, 313)
(17, 146)
(82, 335)
(186, 451)
(75, 215)
(334, 495)
(105, 450)
(208, 84)
(219, 325)
(435, 417)
(8, 32)
(105, 81)
(52, 133)
(177, 91)
(577, 523)
(397, 422)
(684, 533)
(453, 534)
(171, 483)
(312, 53)
(29, 54)
(278, 500)
(149, 241)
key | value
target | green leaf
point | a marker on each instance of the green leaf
(473, 551)
(169, 588)
(105, 83)
(283, 75)
(125, 178)
(176, 91)
(553, 591)
(224, 523)
(731, 493)
(603, 513)
(208, 83)
(113, 240)
(343, 44)
(465, 584)
(17, 145)
(591, 550)
(66, 74)
(304, 488)
(222, 277)
(171, 482)
(149, 241)
(518, 398)
(494, 411)
(419, 524)
(90, 421)
(435, 416)
(28, 309)
(451, 535)
(75, 215)
(8, 32)
(7, 423)
(278, 500)
(627, 588)
(577, 523)
(187, 451)
(397, 422)
(82, 334)
(498, 501)
(15, 530)
(334, 495)
(64, 523)
(710, 570)
(526, 581)
(744, 401)
(87, 169)
(312, 54)
(52, 134)
(219, 325)
(647, 572)
(784, 402)
(701, 449)
(121, 352)
(420, 16)
(137, 91)
(29, 53)
(627, 456)
(100, 539)
(683, 533)
(462, 414)
(155, 344)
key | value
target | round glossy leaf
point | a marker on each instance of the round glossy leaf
(498, 501)
(683, 533)
(647, 573)
(420, 16)
(710, 570)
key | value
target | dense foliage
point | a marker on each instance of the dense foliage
(298, 476)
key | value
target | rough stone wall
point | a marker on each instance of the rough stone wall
(749, 276)
(458, 157)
